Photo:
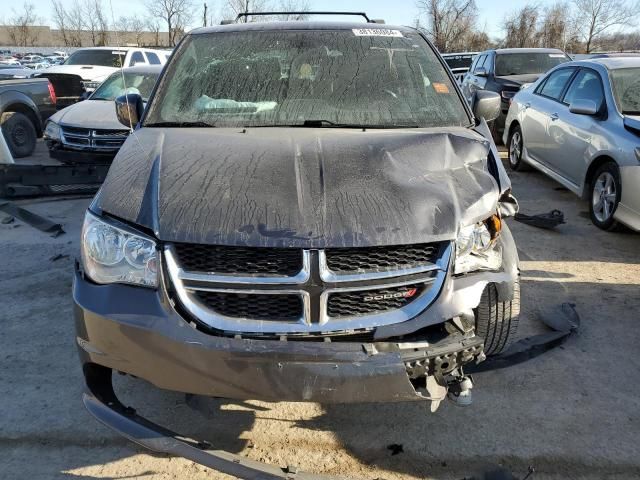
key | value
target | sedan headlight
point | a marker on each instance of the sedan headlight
(52, 131)
(111, 254)
(476, 247)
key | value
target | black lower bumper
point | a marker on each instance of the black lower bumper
(65, 155)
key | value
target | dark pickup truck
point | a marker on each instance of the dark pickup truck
(25, 104)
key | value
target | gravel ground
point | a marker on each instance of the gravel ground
(571, 413)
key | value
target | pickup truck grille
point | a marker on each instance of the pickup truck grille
(93, 139)
(276, 291)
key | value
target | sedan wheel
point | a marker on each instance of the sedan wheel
(605, 196)
(515, 149)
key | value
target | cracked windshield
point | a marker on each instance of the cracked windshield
(307, 78)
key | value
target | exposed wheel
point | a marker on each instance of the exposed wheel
(605, 196)
(497, 322)
(515, 146)
(19, 133)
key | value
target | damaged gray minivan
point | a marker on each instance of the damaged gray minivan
(306, 211)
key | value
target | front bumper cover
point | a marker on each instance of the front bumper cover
(156, 344)
(139, 331)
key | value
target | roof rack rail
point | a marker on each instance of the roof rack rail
(264, 14)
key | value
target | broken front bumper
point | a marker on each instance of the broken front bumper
(137, 331)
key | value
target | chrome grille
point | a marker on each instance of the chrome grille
(93, 139)
(292, 291)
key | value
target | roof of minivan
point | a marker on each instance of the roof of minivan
(527, 50)
(298, 25)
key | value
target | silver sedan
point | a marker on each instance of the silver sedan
(580, 124)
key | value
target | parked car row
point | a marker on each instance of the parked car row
(459, 63)
(580, 125)
(34, 61)
(89, 131)
(86, 132)
(576, 121)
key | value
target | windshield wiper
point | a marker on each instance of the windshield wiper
(330, 124)
(180, 124)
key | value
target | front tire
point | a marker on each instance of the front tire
(515, 145)
(496, 321)
(606, 191)
(19, 133)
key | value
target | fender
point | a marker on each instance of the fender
(13, 97)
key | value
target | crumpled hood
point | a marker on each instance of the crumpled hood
(90, 114)
(297, 187)
(94, 73)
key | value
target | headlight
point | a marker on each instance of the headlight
(476, 247)
(52, 131)
(112, 254)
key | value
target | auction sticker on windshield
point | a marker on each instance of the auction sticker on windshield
(376, 32)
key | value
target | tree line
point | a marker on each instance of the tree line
(165, 20)
(575, 26)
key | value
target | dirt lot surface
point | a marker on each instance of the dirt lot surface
(572, 413)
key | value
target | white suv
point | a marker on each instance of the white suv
(95, 64)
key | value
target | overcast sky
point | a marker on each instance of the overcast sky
(403, 12)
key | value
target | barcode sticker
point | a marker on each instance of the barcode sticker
(376, 32)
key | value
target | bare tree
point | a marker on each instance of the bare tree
(103, 23)
(76, 23)
(176, 14)
(596, 17)
(122, 27)
(137, 28)
(449, 22)
(21, 26)
(555, 28)
(235, 7)
(91, 22)
(153, 25)
(521, 27)
(60, 21)
(301, 6)
(478, 41)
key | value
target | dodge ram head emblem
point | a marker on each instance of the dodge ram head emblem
(386, 296)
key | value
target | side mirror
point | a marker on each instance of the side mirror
(583, 107)
(129, 109)
(486, 105)
(480, 72)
